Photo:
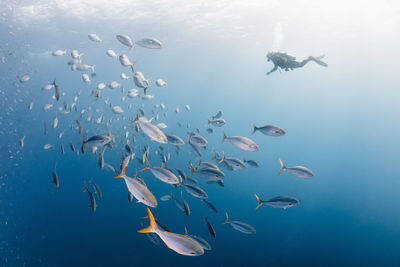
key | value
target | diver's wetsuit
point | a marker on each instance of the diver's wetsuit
(287, 62)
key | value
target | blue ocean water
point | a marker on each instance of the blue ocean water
(340, 121)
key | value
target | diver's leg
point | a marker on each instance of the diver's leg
(274, 69)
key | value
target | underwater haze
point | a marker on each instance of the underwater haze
(340, 145)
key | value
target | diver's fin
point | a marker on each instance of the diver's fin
(319, 61)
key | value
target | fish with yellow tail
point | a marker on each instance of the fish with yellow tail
(138, 189)
(181, 244)
(162, 174)
(298, 171)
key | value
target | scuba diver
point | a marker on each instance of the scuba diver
(287, 62)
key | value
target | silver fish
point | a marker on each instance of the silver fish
(298, 171)
(241, 142)
(240, 226)
(270, 130)
(282, 202)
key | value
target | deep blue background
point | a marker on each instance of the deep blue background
(341, 122)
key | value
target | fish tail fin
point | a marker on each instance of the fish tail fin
(254, 128)
(152, 227)
(136, 119)
(191, 170)
(227, 218)
(122, 174)
(147, 164)
(86, 189)
(186, 231)
(283, 167)
(259, 201)
(223, 137)
(223, 158)
(208, 121)
(92, 67)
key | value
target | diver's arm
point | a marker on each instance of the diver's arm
(274, 69)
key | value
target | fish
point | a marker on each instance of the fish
(150, 130)
(125, 61)
(195, 191)
(56, 182)
(48, 146)
(210, 227)
(47, 107)
(22, 142)
(241, 142)
(240, 226)
(161, 83)
(48, 87)
(138, 189)
(57, 90)
(54, 124)
(85, 67)
(141, 82)
(217, 116)
(298, 171)
(233, 162)
(97, 188)
(161, 173)
(200, 240)
(125, 40)
(111, 53)
(179, 243)
(166, 197)
(94, 37)
(76, 56)
(161, 125)
(93, 203)
(149, 43)
(208, 172)
(282, 202)
(216, 122)
(86, 78)
(270, 130)
(187, 107)
(101, 86)
(117, 110)
(62, 149)
(109, 167)
(130, 197)
(210, 205)
(30, 106)
(133, 93)
(124, 76)
(209, 130)
(101, 158)
(251, 162)
(197, 140)
(174, 140)
(24, 78)
(59, 52)
(98, 140)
